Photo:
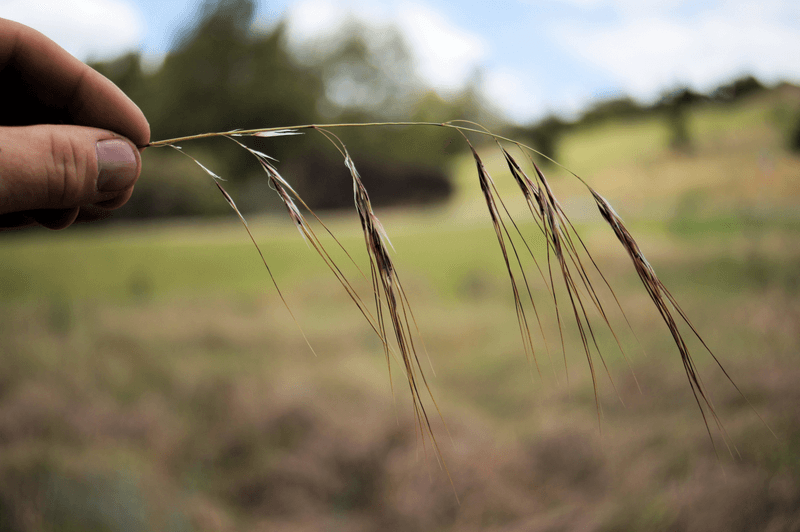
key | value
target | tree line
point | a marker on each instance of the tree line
(672, 107)
(222, 75)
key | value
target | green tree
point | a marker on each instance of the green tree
(675, 105)
(622, 107)
(737, 88)
(794, 135)
(221, 75)
(544, 135)
(368, 76)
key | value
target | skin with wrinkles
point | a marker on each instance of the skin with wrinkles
(57, 109)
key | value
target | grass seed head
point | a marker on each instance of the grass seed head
(562, 243)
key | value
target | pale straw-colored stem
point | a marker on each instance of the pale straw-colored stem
(451, 125)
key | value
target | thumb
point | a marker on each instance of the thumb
(64, 167)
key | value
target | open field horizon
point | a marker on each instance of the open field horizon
(153, 380)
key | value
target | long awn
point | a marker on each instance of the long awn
(392, 317)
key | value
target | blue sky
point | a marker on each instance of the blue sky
(535, 56)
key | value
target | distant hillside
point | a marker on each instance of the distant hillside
(736, 160)
(547, 134)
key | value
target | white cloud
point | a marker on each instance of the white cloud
(627, 5)
(514, 93)
(97, 29)
(646, 53)
(445, 55)
(315, 19)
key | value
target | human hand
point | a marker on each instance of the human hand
(68, 135)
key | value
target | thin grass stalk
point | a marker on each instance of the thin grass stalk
(389, 293)
(217, 179)
(560, 232)
(489, 191)
(661, 300)
(282, 188)
(554, 236)
(390, 298)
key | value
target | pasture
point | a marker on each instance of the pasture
(152, 379)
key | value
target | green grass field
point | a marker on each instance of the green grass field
(153, 380)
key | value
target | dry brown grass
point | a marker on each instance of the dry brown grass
(293, 442)
(205, 411)
(561, 240)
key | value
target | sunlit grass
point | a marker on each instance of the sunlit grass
(163, 349)
(605, 145)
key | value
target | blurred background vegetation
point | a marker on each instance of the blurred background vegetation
(223, 75)
(151, 378)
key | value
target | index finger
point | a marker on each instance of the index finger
(60, 81)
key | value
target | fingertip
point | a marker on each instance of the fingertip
(91, 213)
(62, 167)
(118, 164)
